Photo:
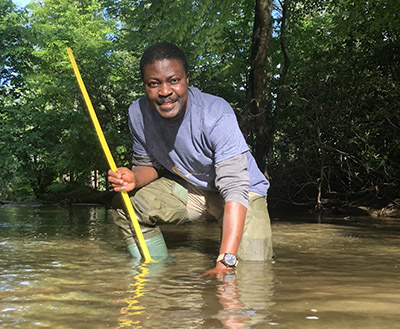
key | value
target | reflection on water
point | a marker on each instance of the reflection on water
(67, 268)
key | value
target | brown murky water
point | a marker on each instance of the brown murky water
(67, 268)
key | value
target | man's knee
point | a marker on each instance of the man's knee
(256, 241)
(121, 221)
(163, 201)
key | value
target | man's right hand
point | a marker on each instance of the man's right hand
(122, 179)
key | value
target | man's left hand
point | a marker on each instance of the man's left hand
(218, 270)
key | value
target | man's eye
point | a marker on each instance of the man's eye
(152, 84)
(174, 80)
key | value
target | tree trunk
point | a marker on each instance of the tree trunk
(256, 112)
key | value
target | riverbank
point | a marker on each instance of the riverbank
(367, 206)
(373, 207)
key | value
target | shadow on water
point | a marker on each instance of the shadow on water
(67, 268)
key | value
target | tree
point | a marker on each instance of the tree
(333, 137)
(314, 84)
(15, 63)
(51, 133)
(257, 109)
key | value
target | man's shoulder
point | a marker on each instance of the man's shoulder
(210, 104)
(136, 114)
(138, 104)
(138, 109)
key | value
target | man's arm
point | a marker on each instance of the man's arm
(144, 171)
(232, 229)
(127, 179)
(232, 181)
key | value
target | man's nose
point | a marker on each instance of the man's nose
(165, 90)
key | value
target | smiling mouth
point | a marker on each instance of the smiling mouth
(166, 104)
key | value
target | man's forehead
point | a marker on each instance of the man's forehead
(165, 62)
(164, 66)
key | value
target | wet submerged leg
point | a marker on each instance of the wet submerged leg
(162, 201)
(256, 241)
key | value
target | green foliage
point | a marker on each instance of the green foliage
(215, 35)
(47, 123)
(339, 130)
(334, 115)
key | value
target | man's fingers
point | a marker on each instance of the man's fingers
(114, 174)
(216, 271)
(115, 180)
(120, 179)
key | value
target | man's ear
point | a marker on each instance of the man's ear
(187, 77)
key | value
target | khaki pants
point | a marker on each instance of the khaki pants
(166, 200)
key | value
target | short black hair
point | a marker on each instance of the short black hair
(160, 51)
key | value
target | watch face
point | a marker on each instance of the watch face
(230, 259)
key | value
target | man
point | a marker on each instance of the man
(190, 160)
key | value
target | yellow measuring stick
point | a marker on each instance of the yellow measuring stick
(111, 162)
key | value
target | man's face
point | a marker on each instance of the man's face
(166, 84)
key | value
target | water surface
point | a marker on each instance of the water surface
(67, 268)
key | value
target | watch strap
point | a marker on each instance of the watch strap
(220, 258)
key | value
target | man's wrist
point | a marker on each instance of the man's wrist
(221, 266)
(228, 260)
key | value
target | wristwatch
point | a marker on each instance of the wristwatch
(229, 260)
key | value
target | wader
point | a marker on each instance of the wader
(166, 200)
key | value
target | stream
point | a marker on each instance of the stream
(66, 267)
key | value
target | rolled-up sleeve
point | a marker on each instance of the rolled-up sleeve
(145, 160)
(232, 179)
